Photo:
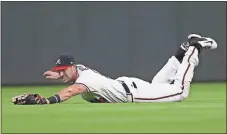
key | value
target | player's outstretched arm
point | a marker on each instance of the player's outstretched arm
(71, 91)
(51, 75)
(63, 95)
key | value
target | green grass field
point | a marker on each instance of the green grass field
(203, 111)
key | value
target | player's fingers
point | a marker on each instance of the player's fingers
(46, 73)
(49, 77)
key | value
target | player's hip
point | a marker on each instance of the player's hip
(141, 91)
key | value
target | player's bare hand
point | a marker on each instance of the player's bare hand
(51, 75)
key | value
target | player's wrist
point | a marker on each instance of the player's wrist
(53, 99)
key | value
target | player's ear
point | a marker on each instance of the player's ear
(73, 67)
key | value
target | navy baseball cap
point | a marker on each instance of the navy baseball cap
(63, 62)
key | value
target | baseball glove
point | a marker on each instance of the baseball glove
(28, 99)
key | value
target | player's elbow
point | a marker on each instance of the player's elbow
(76, 89)
(70, 92)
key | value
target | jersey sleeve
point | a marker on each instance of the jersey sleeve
(86, 78)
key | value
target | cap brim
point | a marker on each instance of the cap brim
(60, 68)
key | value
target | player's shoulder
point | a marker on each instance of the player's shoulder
(80, 65)
(83, 71)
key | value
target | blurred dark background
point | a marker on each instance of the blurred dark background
(115, 38)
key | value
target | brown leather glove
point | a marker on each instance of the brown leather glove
(28, 99)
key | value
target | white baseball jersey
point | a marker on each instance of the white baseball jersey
(99, 87)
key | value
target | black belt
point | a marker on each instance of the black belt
(126, 88)
(128, 93)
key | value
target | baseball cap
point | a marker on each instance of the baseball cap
(63, 62)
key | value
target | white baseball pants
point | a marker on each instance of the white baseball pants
(160, 90)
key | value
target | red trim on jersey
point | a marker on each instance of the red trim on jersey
(185, 75)
(191, 54)
(159, 97)
(182, 83)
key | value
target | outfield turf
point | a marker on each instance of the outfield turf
(203, 111)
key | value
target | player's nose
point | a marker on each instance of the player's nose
(61, 73)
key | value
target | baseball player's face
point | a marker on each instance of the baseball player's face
(67, 75)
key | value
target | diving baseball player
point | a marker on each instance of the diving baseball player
(171, 83)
